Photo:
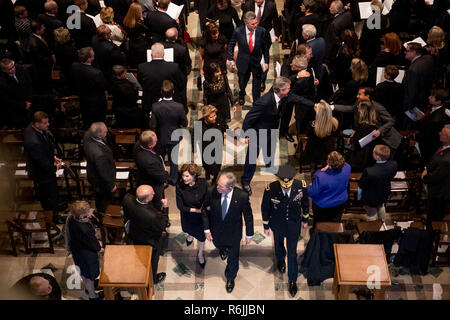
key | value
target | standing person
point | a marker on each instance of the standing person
(159, 21)
(267, 17)
(83, 35)
(217, 92)
(222, 212)
(285, 209)
(328, 190)
(223, 12)
(101, 168)
(209, 121)
(169, 116)
(251, 41)
(90, 85)
(180, 51)
(265, 114)
(201, 8)
(191, 192)
(321, 135)
(35, 286)
(213, 48)
(375, 183)
(151, 169)
(84, 246)
(437, 178)
(65, 53)
(51, 22)
(147, 223)
(38, 145)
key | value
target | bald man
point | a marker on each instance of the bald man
(180, 51)
(51, 22)
(36, 286)
(146, 223)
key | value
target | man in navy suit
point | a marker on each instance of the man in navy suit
(318, 46)
(252, 45)
(265, 114)
(222, 214)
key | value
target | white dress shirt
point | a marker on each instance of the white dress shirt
(262, 8)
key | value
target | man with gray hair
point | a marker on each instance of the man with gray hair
(252, 44)
(152, 74)
(222, 213)
(318, 46)
(146, 223)
(51, 22)
(101, 167)
(341, 20)
(264, 115)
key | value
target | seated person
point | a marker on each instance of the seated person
(36, 286)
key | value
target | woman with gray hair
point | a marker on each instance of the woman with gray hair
(84, 246)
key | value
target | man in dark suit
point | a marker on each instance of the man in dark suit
(15, 94)
(159, 21)
(318, 46)
(418, 78)
(180, 51)
(437, 178)
(84, 33)
(342, 20)
(152, 74)
(51, 22)
(267, 17)
(432, 123)
(169, 116)
(285, 208)
(375, 183)
(146, 223)
(222, 214)
(265, 114)
(150, 165)
(38, 144)
(251, 41)
(385, 122)
(101, 168)
(107, 53)
(90, 84)
(42, 58)
(125, 96)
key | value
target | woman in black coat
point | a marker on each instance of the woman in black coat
(190, 192)
(226, 14)
(84, 246)
(138, 35)
(213, 48)
(65, 51)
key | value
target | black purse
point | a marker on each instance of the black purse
(199, 83)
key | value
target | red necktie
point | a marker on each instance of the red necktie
(258, 17)
(427, 113)
(439, 150)
(250, 42)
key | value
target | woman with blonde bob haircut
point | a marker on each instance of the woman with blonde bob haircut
(321, 135)
(84, 246)
(106, 17)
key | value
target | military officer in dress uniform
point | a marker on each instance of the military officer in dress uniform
(284, 208)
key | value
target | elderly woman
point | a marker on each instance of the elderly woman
(84, 246)
(328, 190)
(191, 191)
(106, 16)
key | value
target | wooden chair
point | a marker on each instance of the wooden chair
(11, 142)
(35, 229)
(330, 226)
(441, 242)
(368, 226)
(112, 229)
(354, 205)
(124, 141)
(7, 228)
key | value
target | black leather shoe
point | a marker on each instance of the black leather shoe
(188, 243)
(281, 266)
(101, 296)
(230, 286)
(241, 101)
(202, 264)
(160, 277)
(292, 289)
(289, 138)
(168, 224)
(248, 189)
(223, 254)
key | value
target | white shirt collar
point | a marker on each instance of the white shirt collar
(36, 35)
(137, 200)
(288, 192)
(415, 58)
(98, 140)
(433, 109)
(277, 99)
(382, 161)
(247, 31)
(262, 7)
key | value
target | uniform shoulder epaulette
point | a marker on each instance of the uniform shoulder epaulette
(303, 183)
(267, 186)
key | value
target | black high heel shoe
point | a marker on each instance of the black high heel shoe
(188, 243)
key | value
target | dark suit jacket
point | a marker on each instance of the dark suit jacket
(180, 56)
(41, 58)
(51, 23)
(227, 232)
(376, 183)
(66, 54)
(107, 54)
(385, 123)
(169, 116)
(390, 95)
(13, 96)
(101, 168)
(318, 47)
(158, 22)
(151, 76)
(146, 222)
(429, 128)
(333, 35)
(90, 84)
(438, 177)
(83, 36)
(269, 18)
(151, 170)
(39, 154)
(417, 82)
(245, 59)
(264, 114)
